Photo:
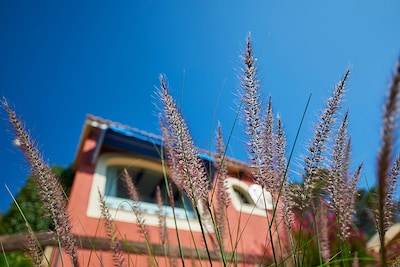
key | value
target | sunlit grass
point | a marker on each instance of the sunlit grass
(310, 223)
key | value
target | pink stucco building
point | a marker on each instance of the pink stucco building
(105, 149)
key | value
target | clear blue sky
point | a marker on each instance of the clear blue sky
(62, 60)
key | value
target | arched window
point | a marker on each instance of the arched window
(247, 198)
(242, 195)
(146, 175)
(146, 179)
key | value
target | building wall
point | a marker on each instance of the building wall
(79, 197)
(247, 233)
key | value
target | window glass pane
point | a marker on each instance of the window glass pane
(146, 182)
(111, 182)
(243, 196)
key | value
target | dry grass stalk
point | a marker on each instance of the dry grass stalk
(162, 227)
(255, 128)
(52, 194)
(340, 187)
(171, 156)
(318, 145)
(139, 215)
(110, 227)
(182, 156)
(391, 199)
(285, 201)
(267, 149)
(222, 193)
(137, 210)
(270, 164)
(385, 158)
(323, 231)
(34, 249)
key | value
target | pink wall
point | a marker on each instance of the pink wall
(248, 233)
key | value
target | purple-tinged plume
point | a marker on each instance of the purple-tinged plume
(110, 226)
(34, 249)
(391, 187)
(162, 227)
(283, 189)
(255, 126)
(222, 194)
(51, 192)
(322, 133)
(342, 188)
(386, 179)
(181, 152)
(270, 181)
(137, 210)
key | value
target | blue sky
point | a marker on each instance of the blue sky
(62, 60)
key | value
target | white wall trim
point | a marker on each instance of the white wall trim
(237, 203)
(122, 213)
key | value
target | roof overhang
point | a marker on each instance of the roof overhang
(123, 138)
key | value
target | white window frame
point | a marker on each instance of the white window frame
(237, 203)
(120, 208)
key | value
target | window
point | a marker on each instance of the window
(146, 181)
(247, 198)
(146, 175)
(242, 195)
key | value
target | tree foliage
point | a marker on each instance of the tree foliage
(29, 201)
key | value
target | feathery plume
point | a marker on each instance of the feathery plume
(388, 137)
(385, 156)
(34, 249)
(172, 158)
(223, 197)
(270, 158)
(115, 244)
(222, 194)
(336, 182)
(340, 187)
(181, 150)
(51, 192)
(137, 210)
(390, 200)
(255, 125)
(189, 167)
(281, 152)
(321, 137)
(286, 203)
(161, 217)
(348, 208)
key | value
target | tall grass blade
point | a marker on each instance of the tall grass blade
(385, 157)
(53, 197)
